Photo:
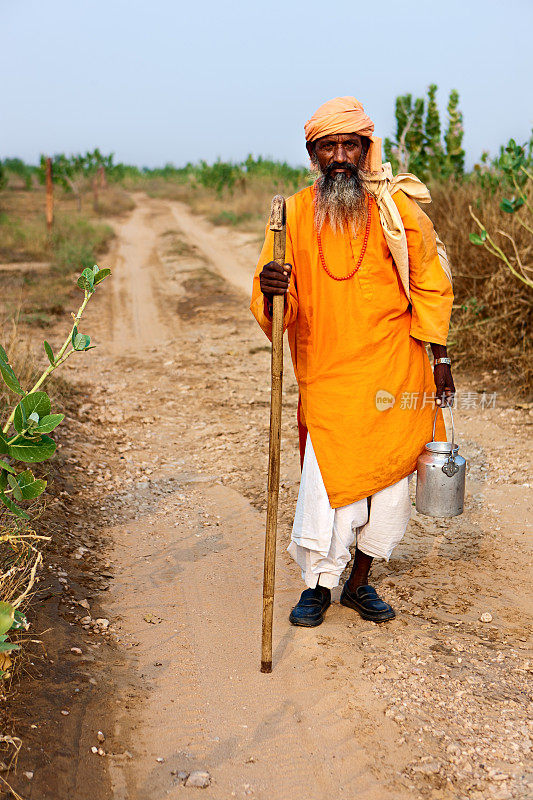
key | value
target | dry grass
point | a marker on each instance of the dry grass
(74, 241)
(77, 240)
(114, 202)
(492, 319)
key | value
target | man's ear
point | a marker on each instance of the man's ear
(310, 147)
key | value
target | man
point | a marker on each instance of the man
(358, 320)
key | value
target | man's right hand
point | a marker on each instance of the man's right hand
(274, 279)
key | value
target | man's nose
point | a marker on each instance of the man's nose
(339, 154)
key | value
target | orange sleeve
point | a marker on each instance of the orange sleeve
(431, 290)
(258, 304)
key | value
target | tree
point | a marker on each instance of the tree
(407, 152)
(432, 134)
(418, 147)
(455, 155)
(76, 172)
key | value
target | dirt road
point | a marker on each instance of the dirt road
(433, 704)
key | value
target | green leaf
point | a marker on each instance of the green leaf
(17, 494)
(507, 206)
(4, 447)
(32, 422)
(5, 647)
(7, 616)
(18, 512)
(86, 280)
(483, 235)
(74, 334)
(49, 422)
(81, 341)
(475, 238)
(6, 370)
(31, 451)
(6, 466)
(3, 480)
(29, 486)
(101, 276)
(49, 352)
(34, 403)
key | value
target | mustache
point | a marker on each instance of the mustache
(352, 169)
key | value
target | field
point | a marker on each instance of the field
(154, 511)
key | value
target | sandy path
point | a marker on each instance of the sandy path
(432, 705)
(201, 656)
(227, 251)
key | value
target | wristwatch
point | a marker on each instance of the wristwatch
(442, 361)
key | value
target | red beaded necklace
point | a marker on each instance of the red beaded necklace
(363, 248)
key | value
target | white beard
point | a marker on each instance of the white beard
(340, 200)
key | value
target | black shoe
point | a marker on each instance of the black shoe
(311, 607)
(366, 601)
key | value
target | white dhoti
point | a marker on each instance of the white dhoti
(322, 535)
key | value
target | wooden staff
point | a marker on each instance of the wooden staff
(49, 195)
(277, 225)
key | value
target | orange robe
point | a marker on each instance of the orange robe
(351, 340)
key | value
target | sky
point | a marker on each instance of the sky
(163, 81)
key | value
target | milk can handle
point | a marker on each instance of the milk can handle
(435, 422)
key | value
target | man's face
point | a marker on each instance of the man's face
(335, 152)
(339, 189)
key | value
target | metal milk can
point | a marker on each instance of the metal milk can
(440, 483)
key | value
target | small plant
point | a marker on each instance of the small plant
(516, 168)
(24, 437)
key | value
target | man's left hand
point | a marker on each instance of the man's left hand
(445, 387)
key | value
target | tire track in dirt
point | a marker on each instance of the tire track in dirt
(136, 315)
(228, 252)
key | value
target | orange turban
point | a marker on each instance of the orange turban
(345, 115)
